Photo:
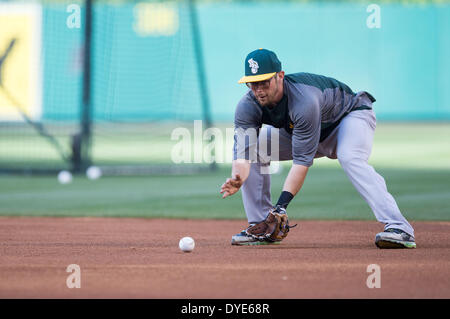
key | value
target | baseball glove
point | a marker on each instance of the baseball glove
(274, 228)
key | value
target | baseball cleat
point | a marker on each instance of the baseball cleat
(243, 239)
(394, 238)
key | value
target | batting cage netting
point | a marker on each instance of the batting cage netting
(98, 83)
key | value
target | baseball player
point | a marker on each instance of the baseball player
(307, 116)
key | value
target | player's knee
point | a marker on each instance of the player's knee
(266, 146)
(350, 159)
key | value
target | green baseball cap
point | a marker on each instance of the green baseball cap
(260, 65)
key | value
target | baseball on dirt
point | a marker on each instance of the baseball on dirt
(64, 177)
(187, 244)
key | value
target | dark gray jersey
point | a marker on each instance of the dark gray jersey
(312, 106)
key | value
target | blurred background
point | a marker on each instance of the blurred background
(106, 84)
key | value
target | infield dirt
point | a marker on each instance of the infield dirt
(140, 258)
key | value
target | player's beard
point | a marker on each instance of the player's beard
(268, 98)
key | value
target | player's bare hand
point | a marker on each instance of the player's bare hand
(231, 186)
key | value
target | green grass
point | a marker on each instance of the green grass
(414, 159)
(396, 145)
(327, 194)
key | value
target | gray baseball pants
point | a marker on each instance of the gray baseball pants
(351, 143)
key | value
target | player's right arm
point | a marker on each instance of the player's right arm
(247, 122)
(239, 173)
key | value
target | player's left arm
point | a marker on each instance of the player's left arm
(305, 140)
(295, 179)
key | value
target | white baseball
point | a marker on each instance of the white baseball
(65, 177)
(187, 244)
(93, 172)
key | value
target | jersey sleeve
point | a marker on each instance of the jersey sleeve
(306, 132)
(247, 122)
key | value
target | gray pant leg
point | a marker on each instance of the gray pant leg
(354, 145)
(256, 194)
(256, 189)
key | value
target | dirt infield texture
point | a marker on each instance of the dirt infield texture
(140, 258)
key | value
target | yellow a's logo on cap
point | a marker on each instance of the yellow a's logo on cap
(253, 65)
